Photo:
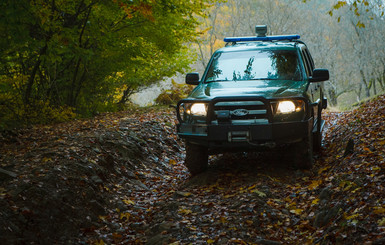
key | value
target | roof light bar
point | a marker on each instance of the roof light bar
(267, 38)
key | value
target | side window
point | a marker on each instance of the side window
(308, 61)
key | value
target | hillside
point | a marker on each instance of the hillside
(119, 179)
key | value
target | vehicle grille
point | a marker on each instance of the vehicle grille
(240, 112)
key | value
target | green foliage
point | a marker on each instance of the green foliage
(173, 95)
(90, 54)
(14, 113)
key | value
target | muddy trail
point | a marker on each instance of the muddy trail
(119, 179)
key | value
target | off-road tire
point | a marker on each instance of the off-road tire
(196, 158)
(304, 153)
(317, 142)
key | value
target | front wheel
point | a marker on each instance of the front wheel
(304, 153)
(317, 142)
(196, 158)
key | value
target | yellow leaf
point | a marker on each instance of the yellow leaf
(368, 150)
(379, 210)
(315, 201)
(323, 169)
(125, 215)
(249, 222)
(128, 202)
(270, 202)
(223, 220)
(314, 184)
(297, 211)
(100, 242)
(103, 218)
(261, 194)
(228, 196)
(352, 216)
(45, 159)
(185, 194)
(184, 211)
(381, 222)
(210, 241)
(172, 162)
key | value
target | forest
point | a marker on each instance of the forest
(62, 59)
(69, 59)
(81, 164)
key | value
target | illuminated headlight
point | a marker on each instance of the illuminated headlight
(198, 109)
(192, 111)
(287, 106)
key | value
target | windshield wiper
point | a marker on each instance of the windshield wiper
(264, 79)
(217, 81)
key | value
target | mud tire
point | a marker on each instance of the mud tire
(304, 153)
(196, 159)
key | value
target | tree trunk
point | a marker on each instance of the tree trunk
(79, 87)
(70, 98)
(332, 97)
(358, 92)
(374, 86)
(126, 94)
(366, 84)
(32, 76)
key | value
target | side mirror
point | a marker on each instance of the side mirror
(320, 75)
(192, 78)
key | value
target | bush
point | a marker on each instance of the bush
(14, 113)
(174, 94)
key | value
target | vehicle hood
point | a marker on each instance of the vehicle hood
(264, 88)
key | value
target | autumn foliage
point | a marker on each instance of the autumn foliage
(173, 95)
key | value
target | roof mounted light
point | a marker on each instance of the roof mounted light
(261, 30)
(267, 38)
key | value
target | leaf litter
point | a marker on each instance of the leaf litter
(123, 182)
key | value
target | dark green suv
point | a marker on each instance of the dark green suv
(256, 93)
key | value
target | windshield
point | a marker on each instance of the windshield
(254, 65)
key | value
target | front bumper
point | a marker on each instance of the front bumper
(260, 127)
(228, 136)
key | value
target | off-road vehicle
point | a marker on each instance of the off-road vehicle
(256, 93)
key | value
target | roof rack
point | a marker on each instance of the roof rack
(266, 38)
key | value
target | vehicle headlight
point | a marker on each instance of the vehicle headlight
(198, 109)
(286, 107)
(289, 110)
(190, 112)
